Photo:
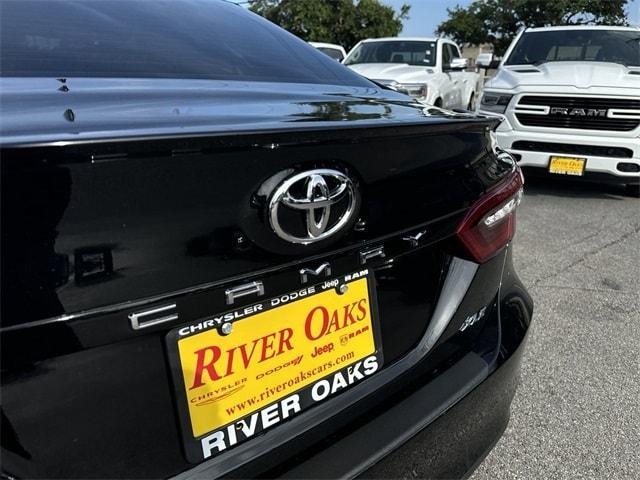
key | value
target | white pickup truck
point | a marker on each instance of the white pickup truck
(429, 69)
(569, 100)
(336, 52)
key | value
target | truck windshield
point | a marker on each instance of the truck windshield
(412, 53)
(616, 46)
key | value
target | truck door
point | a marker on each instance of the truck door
(454, 94)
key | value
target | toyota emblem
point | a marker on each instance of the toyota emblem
(312, 206)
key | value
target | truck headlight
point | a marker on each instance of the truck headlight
(495, 102)
(415, 90)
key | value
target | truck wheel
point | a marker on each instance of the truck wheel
(633, 190)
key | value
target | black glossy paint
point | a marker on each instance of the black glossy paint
(117, 378)
(162, 224)
(151, 192)
(159, 223)
(121, 108)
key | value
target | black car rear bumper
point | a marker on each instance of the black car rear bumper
(427, 423)
(443, 430)
(457, 442)
(447, 424)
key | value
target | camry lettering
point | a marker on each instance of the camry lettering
(217, 364)
(306, 272)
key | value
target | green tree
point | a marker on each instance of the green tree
(344, 22)
(498, 21)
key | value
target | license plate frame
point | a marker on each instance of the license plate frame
(202, 445)
(562, 165)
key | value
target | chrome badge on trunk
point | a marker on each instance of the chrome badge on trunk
(312, 206)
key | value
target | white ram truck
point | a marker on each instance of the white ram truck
(569, 100)
(429, 69)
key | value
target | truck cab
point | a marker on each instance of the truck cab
(337, 52)
(569, 101)
(431, 70)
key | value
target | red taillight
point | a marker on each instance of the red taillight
(491, 223)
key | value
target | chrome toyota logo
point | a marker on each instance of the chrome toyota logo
(312, 206)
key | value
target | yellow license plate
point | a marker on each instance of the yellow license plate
(287, 354)
(567, 165)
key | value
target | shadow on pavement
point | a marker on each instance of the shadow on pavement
(562, 187)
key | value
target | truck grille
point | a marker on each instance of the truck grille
(574, 106)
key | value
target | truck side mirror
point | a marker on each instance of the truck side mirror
(484, 60)
(457, 64)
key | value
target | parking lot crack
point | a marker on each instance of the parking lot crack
(588, 255)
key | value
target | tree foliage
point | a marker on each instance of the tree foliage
(344, 22)
(498, 21)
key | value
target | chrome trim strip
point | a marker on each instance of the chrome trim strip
(135, 318)
(252, 288)
(531, 109)
(366, 255)
(623, 113)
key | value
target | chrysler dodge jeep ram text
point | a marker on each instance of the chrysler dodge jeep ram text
(224, 254)
(569, 98)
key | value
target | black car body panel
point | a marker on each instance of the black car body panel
(103, 109)
(124, 195)
(87, 243)
(165, 213)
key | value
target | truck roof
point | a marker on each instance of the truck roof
(582, 27)
(402, 39)
(326, 45)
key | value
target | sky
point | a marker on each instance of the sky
(427, 14)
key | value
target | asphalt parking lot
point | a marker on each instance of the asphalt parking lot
(577, 411)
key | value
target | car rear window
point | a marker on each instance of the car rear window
(207, 39)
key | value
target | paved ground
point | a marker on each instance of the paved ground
(577, 411)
